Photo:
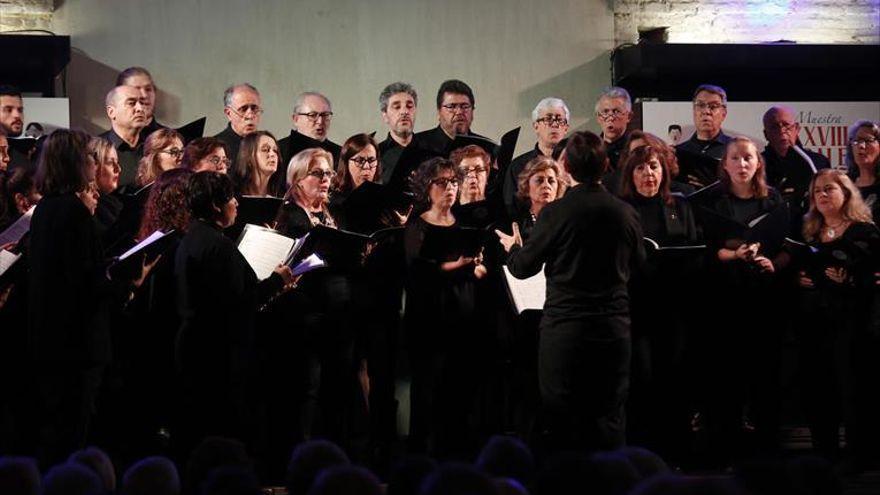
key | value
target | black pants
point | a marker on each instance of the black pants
(583, 372)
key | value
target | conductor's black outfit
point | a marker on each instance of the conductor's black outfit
(588, 241)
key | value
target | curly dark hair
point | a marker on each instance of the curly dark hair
(428, 171)
(166, 206)
(207, 192)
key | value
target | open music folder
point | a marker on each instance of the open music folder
(528, 293)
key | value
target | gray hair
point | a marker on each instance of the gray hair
(301, 98)
(394, 88)
(615, 92)
(711, 88)
(230, 92)
(547, 104)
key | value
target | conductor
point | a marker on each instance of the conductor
(588, 241)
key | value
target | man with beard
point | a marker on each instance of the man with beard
(455, 112)
(12, 123)
(550, 119)
(398, 103)
(126, 110)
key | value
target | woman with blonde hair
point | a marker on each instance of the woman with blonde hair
(163, 150)
(323, 304)
(743, 266)
(838, 292)
(539, 184)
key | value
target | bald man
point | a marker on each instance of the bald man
(127, 111)
(789, 165)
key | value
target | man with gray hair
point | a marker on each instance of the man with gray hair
(613, 114)
(243, 108)
(127, 111)
(398, 103)
(698, 157)
(550, 120)
(312, 114)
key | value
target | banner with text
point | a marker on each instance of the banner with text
(823, 124)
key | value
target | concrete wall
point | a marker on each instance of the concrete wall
(751, 21)
(512, 53)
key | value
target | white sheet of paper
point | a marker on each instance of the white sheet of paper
(18, 229)
(155, 236)
(7, 259)
(264, 249)
(528, 293)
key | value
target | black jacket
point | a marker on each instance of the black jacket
(589, 242)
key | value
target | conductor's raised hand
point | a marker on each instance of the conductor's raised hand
(509, 240)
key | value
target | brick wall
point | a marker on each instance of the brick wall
(751, 21)
(18, 15)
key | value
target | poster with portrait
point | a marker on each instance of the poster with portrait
(823, 124)
(44, 115)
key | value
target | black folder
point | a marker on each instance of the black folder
(193, 130)
(768, 228)
(696, 169)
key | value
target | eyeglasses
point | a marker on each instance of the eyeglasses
(244, 110)
(314, 116)
(364, 162)
(174, 152)
(463, 107)
(611, 113)
(711, 107)
(553, 120)
(322, 174)
(473, 170)
(217, 161)
(268, 149)
(868, 141)
(444, 181)
(782, 126)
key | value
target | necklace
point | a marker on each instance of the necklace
(830, 231)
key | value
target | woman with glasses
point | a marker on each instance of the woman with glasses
(257, 162)
(440, 315)
(163, 150)
(322, 305)
(863, 161)
(838, 288)
(205, 155)
(218, 294)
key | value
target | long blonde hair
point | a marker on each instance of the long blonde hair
(854, 208)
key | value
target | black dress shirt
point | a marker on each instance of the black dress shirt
(589, 242)
(128, 157)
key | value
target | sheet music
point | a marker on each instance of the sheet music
(312, 262)
(7, 259)
(264, 249)
(155, 236)
(528, 293)
(18, 229)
